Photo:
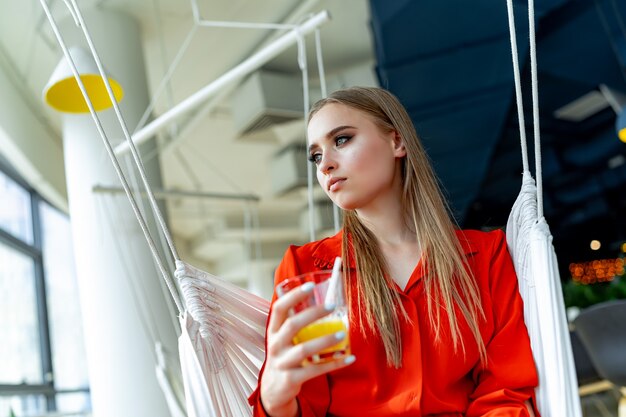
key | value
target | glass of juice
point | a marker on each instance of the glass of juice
(327, 290)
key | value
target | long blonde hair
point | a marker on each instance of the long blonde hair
(449, 283)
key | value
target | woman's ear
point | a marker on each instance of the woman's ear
(398, 145)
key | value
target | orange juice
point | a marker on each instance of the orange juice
(323, 327)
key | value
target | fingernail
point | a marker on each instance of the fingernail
(329, 306)
(350, 359)
(340, 335)
(307, 286)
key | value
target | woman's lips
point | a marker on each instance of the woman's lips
(335, 184)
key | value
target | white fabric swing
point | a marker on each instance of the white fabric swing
(222, 339)
(223, 326)
(530, 243)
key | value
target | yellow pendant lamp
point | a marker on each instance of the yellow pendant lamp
(620, 125)
(63, 94)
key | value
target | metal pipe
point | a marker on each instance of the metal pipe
(189, 125)
(243, 25)
(165, 194)
(238, 72)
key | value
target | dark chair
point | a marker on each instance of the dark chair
(602, 330)
(586, 373)
(591, 386)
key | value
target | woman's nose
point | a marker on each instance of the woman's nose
(327, 164)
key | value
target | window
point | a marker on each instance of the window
(22, 404)
(18, 301)
(15, 215)
(44, 367)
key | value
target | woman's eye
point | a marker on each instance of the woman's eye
(315, 158)
(340, 140)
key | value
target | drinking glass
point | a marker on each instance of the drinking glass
(328, 290)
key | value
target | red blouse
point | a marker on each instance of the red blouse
(433, 380)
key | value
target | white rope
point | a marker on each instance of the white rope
(324, 91)
(535, 95)
(130, 264)
(70, 7)
(535, 98)
(530, 243)
(142, 209)
(217, 305)
(302, 63)
(107, 143)
(124, 127)
(518, 86)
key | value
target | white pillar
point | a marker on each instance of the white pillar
(122, 302)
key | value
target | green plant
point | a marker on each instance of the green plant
(580, 295)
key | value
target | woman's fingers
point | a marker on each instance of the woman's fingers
(297, 322)
(284, 371)
(305, 373)
(297, 354)
(280, 308)
(283, 338)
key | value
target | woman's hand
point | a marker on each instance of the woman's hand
(284, 372)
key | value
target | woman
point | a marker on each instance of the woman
(436, 318)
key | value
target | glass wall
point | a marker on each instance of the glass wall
(44, 368)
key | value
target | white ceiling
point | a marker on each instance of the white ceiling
(210, 157)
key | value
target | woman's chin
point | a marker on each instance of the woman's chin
(345, 205)
(345, 201)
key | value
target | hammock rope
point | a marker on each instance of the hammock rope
(144, 228)
(518, 86)
(134, 151)
(530, 244)
(535, 104)
(225, 324)
(222, 325)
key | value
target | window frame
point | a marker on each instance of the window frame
(34, 251)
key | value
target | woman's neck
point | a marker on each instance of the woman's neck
(388, 223)
(396, 240)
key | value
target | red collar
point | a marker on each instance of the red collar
(326, 250)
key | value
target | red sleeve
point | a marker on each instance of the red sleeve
(314, 396)
(509, 377)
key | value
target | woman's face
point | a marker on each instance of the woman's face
(358, 165)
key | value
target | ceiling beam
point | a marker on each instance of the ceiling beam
(246, 67)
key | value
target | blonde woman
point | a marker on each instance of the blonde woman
(436, 318)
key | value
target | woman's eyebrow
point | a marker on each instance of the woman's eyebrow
(330, 134)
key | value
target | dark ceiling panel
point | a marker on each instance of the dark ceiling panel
(443, 78)
(425, 28)
(580, 49)
(450, 64)
(461, 143)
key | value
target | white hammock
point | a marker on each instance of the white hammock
(530, 243)
(221, 345)
(223, 326)
(167, 379)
